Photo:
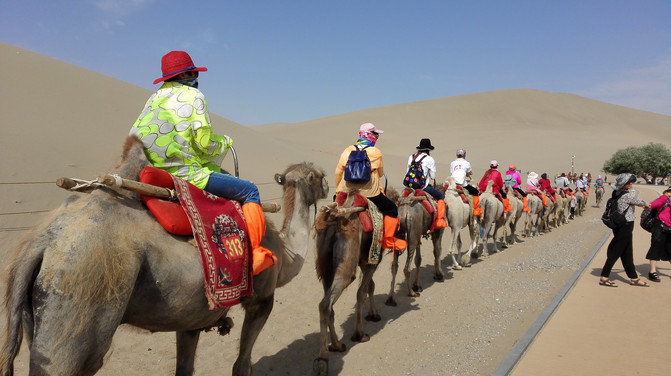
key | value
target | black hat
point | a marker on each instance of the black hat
(425, 144)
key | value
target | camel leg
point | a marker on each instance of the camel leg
(361, 294)
(416, 285)
(373, 315)
(437, 239)
(394, 269)
(256, 314)
(186, 352)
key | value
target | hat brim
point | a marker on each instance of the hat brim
(197, 69)
(420, 148)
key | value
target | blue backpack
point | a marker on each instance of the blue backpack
(357, 169)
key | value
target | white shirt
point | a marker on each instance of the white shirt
(562, 182)
(459, 168)
(428, 166)
(580, 184)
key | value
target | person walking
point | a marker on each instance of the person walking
(621, 246)
(175, 128)
(660, 237)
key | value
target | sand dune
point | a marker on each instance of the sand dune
(69, 121)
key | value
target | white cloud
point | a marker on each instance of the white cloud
(120, 7)
(646, 89)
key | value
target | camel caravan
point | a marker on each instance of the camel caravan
(102, 259)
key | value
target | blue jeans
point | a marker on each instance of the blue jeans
(232, 188)
(434, 192)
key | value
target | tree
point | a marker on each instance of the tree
(649, 161)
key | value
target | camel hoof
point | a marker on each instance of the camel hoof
(320, 367)
(439, 277)
(373, 318)
(361, 338)
(457, 267)
(417, 288)
(391, 302)
(334, 348)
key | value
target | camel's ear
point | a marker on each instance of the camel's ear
(280, 179)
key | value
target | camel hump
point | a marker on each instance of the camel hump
(133, 159)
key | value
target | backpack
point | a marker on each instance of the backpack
(611, 217)
(415, 177)
(509, 181)
(357, 168)
(649, 216)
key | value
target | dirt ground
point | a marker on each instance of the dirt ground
(463, 326)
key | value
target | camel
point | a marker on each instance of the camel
(492, 216)
(341, 246)
(598, 195)
(459, 216)
(102, 260)
(547, 214)
(535, 204)
(513, 218)
(581, 202)
(415, 222)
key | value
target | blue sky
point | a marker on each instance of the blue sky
(291, 61)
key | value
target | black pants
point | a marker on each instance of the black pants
(385, 205)
(520, 191)
(621, 247)
(472, 190)
(434, 192)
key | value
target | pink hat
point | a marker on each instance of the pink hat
(493, 164)
(176, 62)
(369, 128)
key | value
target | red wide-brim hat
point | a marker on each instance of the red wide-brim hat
(176, 62)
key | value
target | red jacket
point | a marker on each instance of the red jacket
(495, 176)
(546, 186)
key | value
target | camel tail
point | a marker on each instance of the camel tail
(21, 274)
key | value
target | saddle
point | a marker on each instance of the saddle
(359, 202)
(462, 194)
(371, 221)
(429, 204)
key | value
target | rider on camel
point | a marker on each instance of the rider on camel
(429, 167)
(512, 171)
(534, 187)
(174, 126)
(460, 170)
(495, 176)
(371, 189)
(546, 187)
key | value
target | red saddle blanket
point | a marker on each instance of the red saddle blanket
(219, 228)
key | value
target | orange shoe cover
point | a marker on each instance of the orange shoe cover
(526, 204)
(476, 206)
(545, 199)
(506, 205)
(262, 258)
(388, 240)
(440, 221)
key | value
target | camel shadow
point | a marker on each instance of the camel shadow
(298, 356)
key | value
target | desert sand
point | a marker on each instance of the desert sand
(64, 121)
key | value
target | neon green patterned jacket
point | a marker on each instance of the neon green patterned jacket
(175, 129)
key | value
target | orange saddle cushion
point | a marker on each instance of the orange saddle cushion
(169, 214)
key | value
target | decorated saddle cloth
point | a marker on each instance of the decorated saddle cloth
(219, 229)
(429, 204)
(371, 220)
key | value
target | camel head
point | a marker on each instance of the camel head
(306, 177)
